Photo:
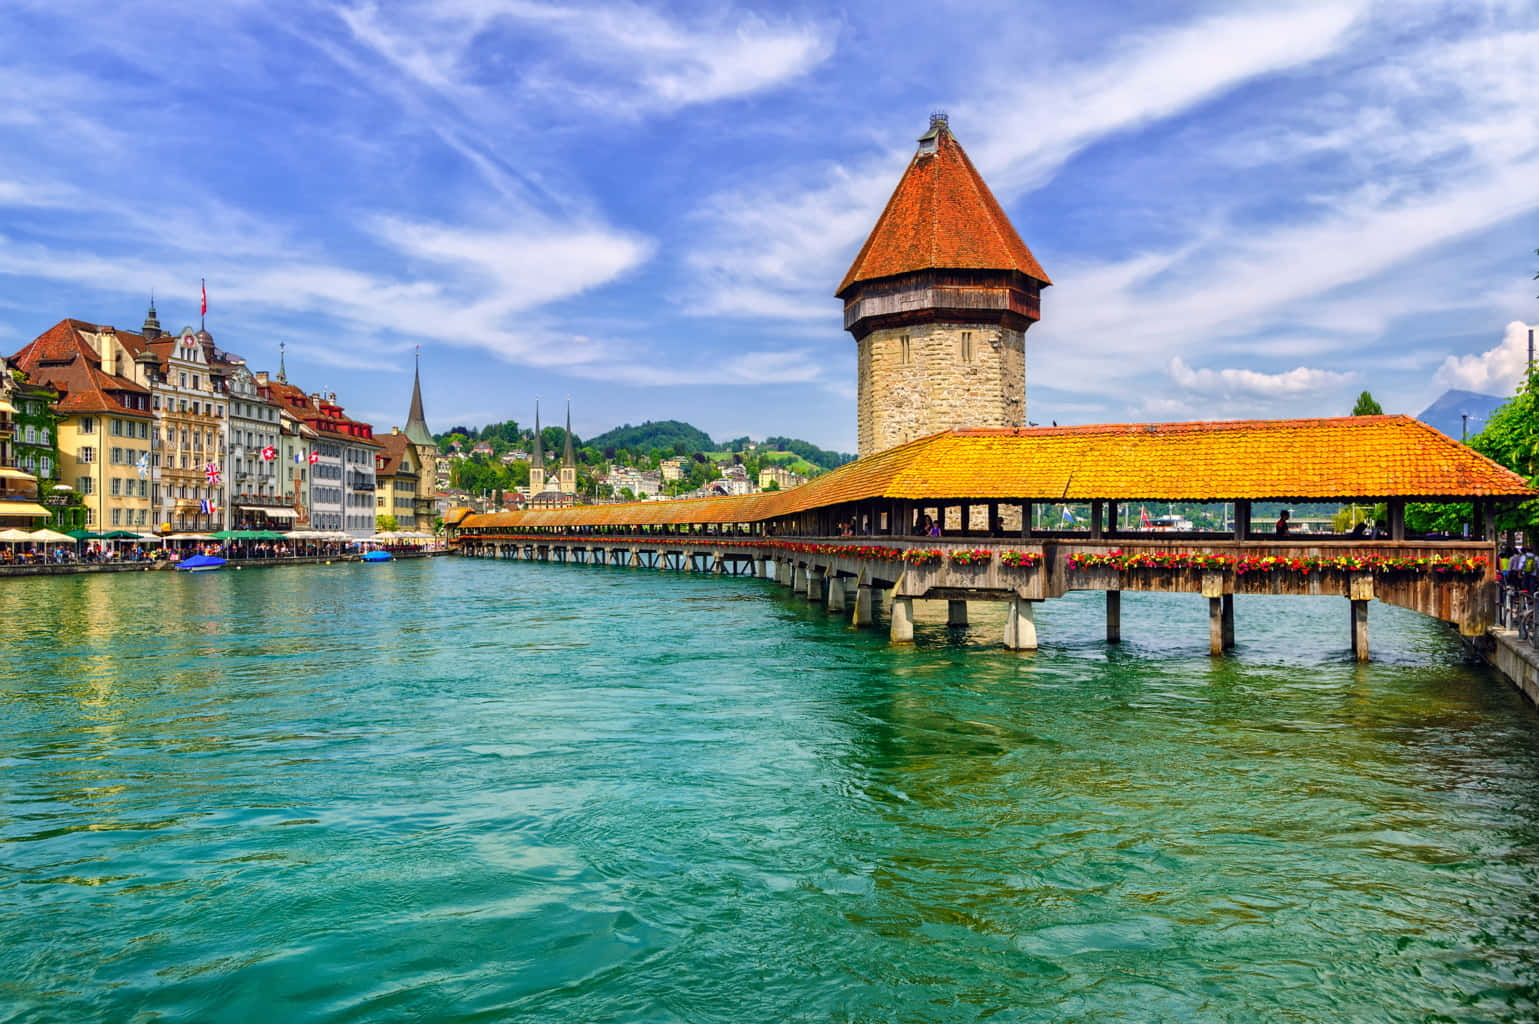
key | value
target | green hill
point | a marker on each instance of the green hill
(668, 434)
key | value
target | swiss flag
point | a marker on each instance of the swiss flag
(314, 457)
(269, 453)
(203, 286)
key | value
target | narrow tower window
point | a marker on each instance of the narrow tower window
(967, 346)
(905, 354)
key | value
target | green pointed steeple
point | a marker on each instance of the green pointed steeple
(416, 423)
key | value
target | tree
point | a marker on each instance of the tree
(385, 524)
(1367, 406)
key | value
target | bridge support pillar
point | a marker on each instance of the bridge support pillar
(717, 566)
(862, 613)
(836, 594)
(635, 561)
(902, 631)
(689, 561)
(1114, 616)
(1021, 625)
(799, 579)
(816, 582)
(1215, 625)
(1228, 622)
(662, 560)
(956, 613)
(1360, 630)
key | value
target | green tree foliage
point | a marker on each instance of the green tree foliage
(650, 436)
(1510, 437)
(385, 524)
(811, 452)
(1367, 406)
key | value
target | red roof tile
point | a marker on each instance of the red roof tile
(942, 217)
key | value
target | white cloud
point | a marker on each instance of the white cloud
(1230, 383)
(1496, 371)
(785, 242)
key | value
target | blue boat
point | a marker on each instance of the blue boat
(200, 563)
(376, 556)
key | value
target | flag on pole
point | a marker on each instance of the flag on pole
(269, 453)
(203, 309)
(1068, 516)
(212, 472)
(315, 456)
(144, 465)
(1143, 518)
(206, 507)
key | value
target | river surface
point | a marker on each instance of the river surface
(469, 790)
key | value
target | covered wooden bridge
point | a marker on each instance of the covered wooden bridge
(861, 526)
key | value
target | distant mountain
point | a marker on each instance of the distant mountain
(1446, 414)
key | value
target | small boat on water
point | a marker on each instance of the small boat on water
(377, 556)
(200, 563)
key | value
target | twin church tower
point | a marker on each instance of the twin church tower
(939, 300)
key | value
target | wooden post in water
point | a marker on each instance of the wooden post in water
(1359, 626)
(1228, 625)
(1114, 616)
(1021, 625)
(956, 613)
(1215, 625)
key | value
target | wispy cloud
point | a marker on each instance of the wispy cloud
(1233, 383)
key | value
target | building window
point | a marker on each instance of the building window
(117, 516)
(44, 436)
(45, 467)
(117, 487)
(31, 435)
(967, 346)
(116, 457)
(183, 379)
(87, 454)
(84, 484)
(905, 353)
(196, 385)
(88, 424)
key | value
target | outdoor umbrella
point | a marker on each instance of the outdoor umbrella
(52, 537)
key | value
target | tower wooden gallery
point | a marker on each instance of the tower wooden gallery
(939, 299)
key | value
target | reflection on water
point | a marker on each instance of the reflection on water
(469, 790)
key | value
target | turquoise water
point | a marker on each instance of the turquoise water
(461, 790)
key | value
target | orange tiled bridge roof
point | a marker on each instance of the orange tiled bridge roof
(1372, 457)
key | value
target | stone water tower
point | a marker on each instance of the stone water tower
(939, 300)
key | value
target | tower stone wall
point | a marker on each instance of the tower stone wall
(925, 378)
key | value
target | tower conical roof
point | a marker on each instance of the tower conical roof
(569, 456)
(537, 459)
(416, 423)
(941, 217)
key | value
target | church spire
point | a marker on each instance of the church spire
(537, 459)
(569, 456)
(568, 474)
(283, 373)
(416, 422)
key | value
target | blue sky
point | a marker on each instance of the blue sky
(1247, 210)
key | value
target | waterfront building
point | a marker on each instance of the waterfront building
(260, 490)
(938, 300)
(296, 448)
(399, 479)
(19, 506)
(192, 426)
(105, 423)
(342, 482)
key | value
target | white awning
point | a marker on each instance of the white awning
(7, 473)
(273, 511)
